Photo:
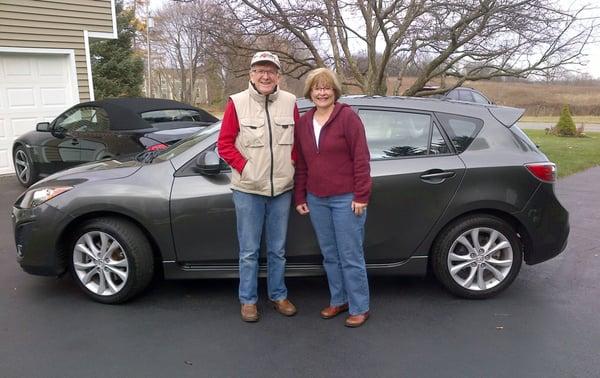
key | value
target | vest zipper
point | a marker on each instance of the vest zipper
(270, 142)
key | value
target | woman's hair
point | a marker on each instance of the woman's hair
(322, 76)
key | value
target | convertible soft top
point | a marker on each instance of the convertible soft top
(124, 112)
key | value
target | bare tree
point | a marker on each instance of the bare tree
(463, 39)
(139, 9)
(182, 44)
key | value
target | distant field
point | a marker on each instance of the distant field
(539, 99)
(571, 155)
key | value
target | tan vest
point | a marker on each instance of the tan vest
(265, 139)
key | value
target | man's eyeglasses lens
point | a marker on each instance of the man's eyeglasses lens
(264, 72)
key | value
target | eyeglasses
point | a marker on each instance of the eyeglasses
(322, 89)
(265, 72)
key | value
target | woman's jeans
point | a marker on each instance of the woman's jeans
(340, 234)
(253, 212)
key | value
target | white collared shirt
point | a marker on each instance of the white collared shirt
(317, 127)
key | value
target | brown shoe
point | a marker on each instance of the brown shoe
(285, 307)
(332, 311)
(249, 313)
(354, 321)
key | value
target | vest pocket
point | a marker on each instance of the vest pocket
(252, 132)
(284, 129)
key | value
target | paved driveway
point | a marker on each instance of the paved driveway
(546, 325)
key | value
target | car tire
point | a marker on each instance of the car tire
(24, 168)
(471, 265)
(111, 259)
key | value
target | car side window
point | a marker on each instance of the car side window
(84, 119)
(392, 134)
(479, 98)
(453, 95)
(438, 144)
(465, 95)
(461, 130)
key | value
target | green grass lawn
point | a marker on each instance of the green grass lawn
(571, 155)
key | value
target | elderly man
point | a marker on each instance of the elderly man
(256, 140)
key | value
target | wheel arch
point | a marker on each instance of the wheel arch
(16, 145)
(22, 141)
(67, 232)
(519, 228)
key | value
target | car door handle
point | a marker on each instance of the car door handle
(436, 176)
(74, 142)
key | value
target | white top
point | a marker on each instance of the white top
(317, 127)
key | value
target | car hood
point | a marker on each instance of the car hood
(99, 170)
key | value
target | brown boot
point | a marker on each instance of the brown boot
(249, 313)
(285, 307)
(333, 311)
(354, 321)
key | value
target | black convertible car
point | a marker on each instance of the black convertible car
(104, 129)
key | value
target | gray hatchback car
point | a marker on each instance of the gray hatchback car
(457, 189)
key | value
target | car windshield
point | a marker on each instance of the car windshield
(188, 142)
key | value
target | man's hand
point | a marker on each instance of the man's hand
(302, 209)
(358, 208)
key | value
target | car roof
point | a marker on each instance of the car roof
(505, 115)
(124, 112)
(141, 104)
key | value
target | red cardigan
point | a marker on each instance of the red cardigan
(341, 163)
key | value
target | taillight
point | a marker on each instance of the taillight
(157, 147)
(543, 171)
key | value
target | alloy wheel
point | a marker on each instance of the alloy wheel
(100, 263)
(22, 166)
(480, 259)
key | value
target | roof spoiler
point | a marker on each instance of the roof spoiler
(505, 115)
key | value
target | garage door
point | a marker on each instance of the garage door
(33, 88)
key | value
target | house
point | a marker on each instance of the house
(45, 61)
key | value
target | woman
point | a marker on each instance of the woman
(333, 185)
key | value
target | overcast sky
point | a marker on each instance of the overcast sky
(592, 50)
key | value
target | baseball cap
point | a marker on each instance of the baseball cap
(265, 56)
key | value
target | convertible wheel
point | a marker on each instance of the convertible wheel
(111, 260)
(477, 257)
(24, 168)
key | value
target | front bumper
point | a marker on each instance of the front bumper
(546, 224)
(36, 232)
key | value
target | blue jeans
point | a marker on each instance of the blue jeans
(253, 212)
(340, 234)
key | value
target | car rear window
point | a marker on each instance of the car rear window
(523, 138)
(461, 130)
(177, 115)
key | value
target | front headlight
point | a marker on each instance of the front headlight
(38, 196)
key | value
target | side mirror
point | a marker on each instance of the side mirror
(43, 126)
(208, 164)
